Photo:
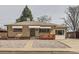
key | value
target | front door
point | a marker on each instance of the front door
(32, 32)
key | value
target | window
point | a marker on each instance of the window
(44, 30)
(59, 32)
(17, 30)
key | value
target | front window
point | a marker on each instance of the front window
(59, 32)
(17, 30)
(44, 30)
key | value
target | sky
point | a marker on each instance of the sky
(9, 13)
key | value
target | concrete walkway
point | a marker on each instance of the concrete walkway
(29, 44)
(73, 43)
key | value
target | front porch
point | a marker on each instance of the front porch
(41, 32)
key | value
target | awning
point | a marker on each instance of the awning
(39, 27)
(46, 27)
(34, 26)
(17, 27)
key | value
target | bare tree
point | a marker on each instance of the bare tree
(44, 18)
(72, 19)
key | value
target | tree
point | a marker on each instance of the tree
(26, 13)
(72, 19)
(44, 18)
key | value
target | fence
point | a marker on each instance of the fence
(71, 35)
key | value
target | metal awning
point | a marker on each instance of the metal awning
(34, 26)
(39, 27)
(17, 26)
(46, 27)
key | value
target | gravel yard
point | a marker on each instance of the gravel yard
(48, 44)
(13, 43)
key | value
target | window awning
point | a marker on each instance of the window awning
(34, 26)
(39, 27)
(17, 27)
(46, 27)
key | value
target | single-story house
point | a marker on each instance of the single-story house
(35, 29)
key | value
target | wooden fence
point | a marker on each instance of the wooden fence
(71, 35)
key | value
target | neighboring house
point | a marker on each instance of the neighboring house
(28, 29)
(3, 33)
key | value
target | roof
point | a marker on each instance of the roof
(32, 23)
(36, 23)
(62, 25)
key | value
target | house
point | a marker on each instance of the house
(3, 33)
(28, 29)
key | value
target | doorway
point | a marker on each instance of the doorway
(32, 32)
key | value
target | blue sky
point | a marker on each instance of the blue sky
(9, 13)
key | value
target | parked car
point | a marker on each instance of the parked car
(47, 37)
